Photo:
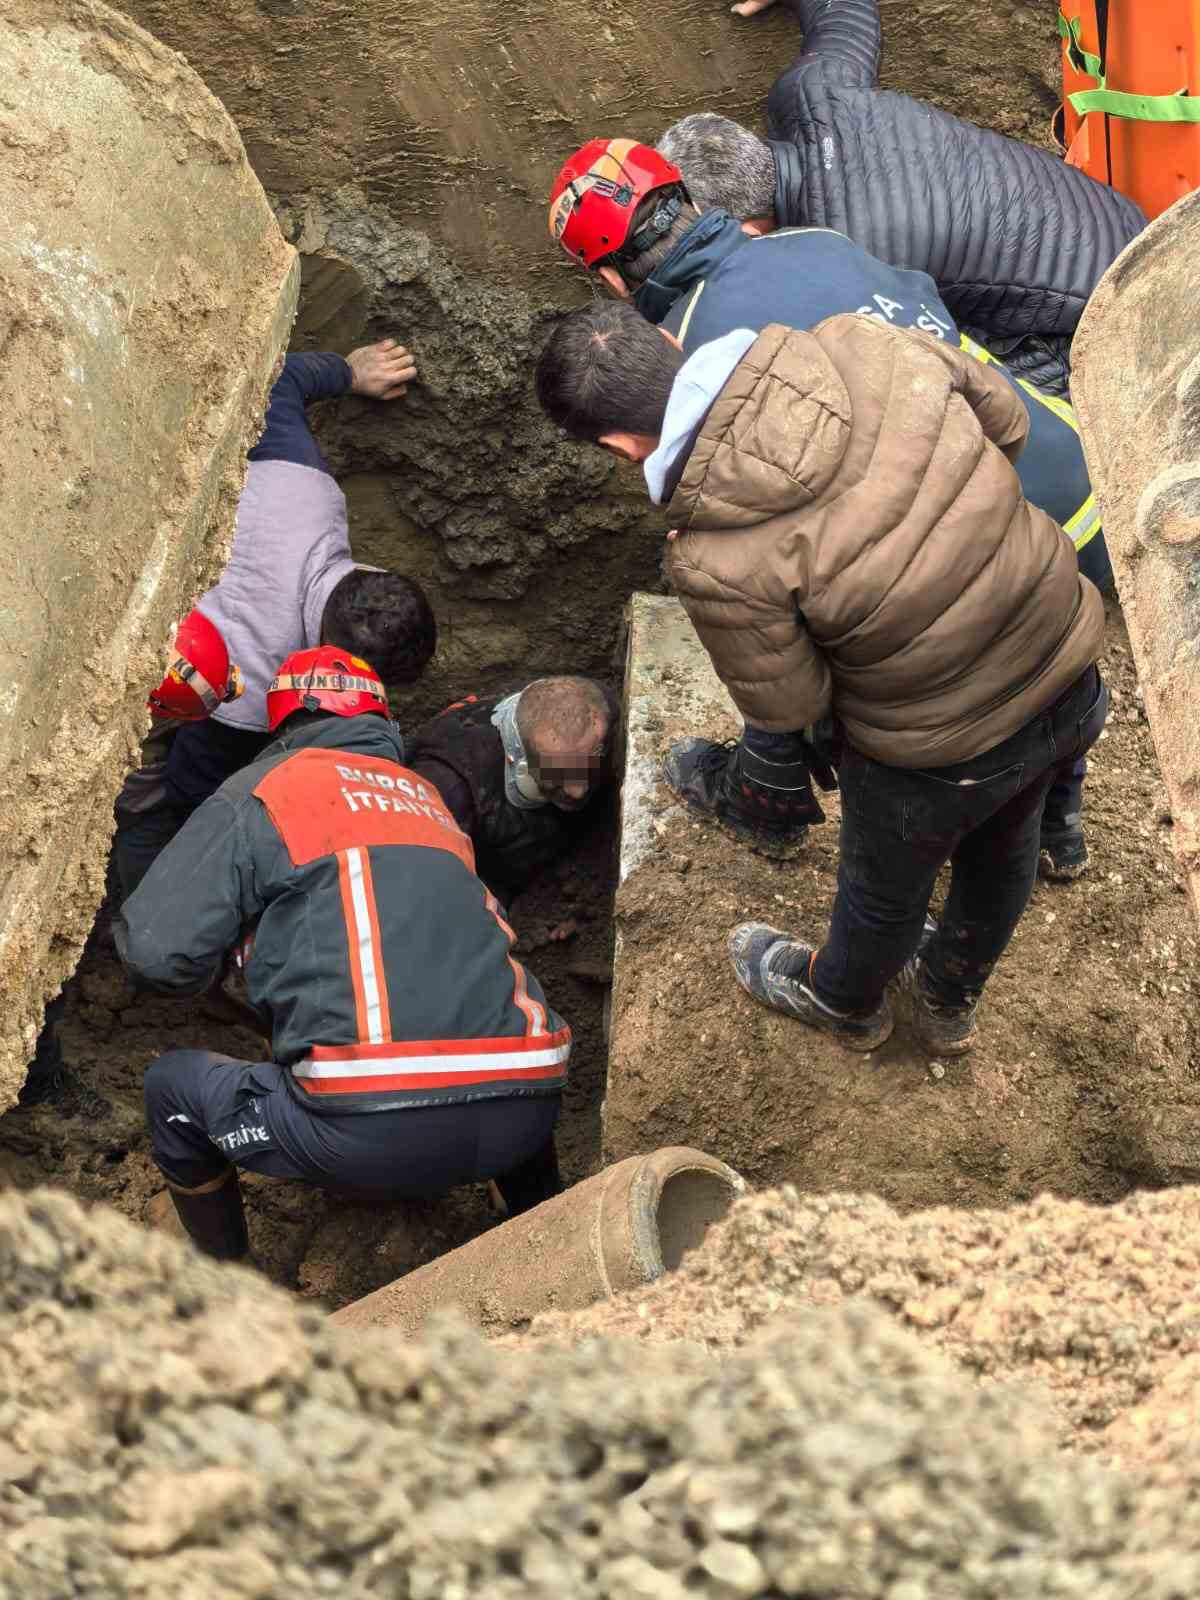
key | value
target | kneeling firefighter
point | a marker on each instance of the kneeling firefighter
(411, 1050)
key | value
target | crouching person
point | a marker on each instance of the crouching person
(852, 537)
(411, 1051)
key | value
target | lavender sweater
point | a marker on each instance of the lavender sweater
(290, 546)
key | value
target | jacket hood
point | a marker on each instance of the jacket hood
(368, 735)
(789, 183)
(773, 439)
(703, 247)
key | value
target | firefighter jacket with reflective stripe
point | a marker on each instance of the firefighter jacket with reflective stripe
(1015, 239)
(384, 963)
(511, 844)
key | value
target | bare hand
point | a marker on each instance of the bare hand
(381, 371)
(749, 8)
(564, 930)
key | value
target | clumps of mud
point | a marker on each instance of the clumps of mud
(172, 1428)
(1099, 1307)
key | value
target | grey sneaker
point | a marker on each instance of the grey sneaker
(941, 1030)
(774, 969)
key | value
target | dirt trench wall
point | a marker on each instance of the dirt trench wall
(145, 293)
(1136, 387)
(410, 148)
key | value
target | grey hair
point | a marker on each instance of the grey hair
(723, 165)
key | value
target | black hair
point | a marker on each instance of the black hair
(605, 369)
(386, 619)
(634, 265)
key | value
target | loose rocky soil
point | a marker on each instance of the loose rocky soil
(1084, 1081)
(174, 1428)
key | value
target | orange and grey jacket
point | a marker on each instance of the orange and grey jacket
(382, 960)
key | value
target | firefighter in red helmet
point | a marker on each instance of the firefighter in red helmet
(199, 676)
(411, 1050)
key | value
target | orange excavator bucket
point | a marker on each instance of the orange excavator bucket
(1142, 57)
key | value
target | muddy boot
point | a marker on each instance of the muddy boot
(941, 1029)
(213, 1218)
(50, 1082)
(532, 1182)
(719, 781)
(1063, 857)
(774, 969)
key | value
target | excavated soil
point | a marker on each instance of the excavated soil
(174, 1428)
(1084, 1079)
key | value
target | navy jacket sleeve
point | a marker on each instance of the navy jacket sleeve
(841, 34)
(305, 378)
(179, 924)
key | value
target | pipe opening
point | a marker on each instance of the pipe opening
(688, 1205)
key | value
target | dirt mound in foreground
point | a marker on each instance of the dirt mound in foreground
(174, 1428)
(1097, 1306)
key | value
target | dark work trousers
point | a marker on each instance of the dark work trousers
(900, 827)
(205, 1111)
(1062, 815)
(157, 800)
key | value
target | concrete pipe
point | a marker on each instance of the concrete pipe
(624, 1227)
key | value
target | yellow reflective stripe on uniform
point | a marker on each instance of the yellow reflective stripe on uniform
(687, 315)
(1085, 524)
(1063, 409)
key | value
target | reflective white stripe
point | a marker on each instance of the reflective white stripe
(412, 1066)
(366, 946)
(1083, 525)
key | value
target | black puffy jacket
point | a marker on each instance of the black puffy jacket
(1015, 239)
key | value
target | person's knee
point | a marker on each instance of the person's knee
(168, 1075)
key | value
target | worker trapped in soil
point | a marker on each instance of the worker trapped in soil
(852, 538)
(291, 582)
(1015, 239)
(701, 276)
(518, 773)
(410, 1050)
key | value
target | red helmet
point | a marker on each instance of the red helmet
(597, 193)
(201, 676)
(325, 679)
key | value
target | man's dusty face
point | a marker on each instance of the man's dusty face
(569, 771)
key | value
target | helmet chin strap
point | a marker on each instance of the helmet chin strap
(661, 221)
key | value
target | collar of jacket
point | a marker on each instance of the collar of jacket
(789, 183)
(697, 384)
(703, 247)
(367, 735)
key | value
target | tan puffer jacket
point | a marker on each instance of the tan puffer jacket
(851, 530)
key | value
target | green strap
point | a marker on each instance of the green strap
(1180, 107)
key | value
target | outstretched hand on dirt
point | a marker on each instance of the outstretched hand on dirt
(748, 8)
(381, 371)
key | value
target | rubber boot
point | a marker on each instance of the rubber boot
(213, 1218)
(535, 1180)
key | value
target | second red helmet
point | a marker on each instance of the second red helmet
(200, 676)
(325, 679)
(596, 195)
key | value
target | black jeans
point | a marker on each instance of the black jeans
(901, 826)
(205, 1111)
